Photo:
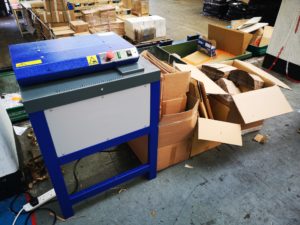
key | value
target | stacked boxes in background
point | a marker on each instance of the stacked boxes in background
(55, 12)
(145, 28)
(103, 19)
(140, 7)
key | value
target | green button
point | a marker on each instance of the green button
(119, 55)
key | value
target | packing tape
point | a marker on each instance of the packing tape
(55, 5)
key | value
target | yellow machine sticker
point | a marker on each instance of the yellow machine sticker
(29, 63)
(92, 60)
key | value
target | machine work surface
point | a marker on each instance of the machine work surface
(42, 61)
(56, 93)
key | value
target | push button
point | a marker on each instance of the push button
(129, 53)
(109, 56)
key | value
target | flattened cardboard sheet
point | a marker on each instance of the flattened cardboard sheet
(210, 86)
(219, 131)
(261, 104)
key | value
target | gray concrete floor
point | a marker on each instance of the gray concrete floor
(254, 184)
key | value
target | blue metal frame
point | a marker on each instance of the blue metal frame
(53, 162)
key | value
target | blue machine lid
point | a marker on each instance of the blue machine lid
(42, 61)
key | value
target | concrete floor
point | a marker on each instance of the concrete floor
(254, 184)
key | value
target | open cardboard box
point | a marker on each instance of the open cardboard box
(229, 43)
(247, 110)
(174, 139)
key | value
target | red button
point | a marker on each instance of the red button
(109, 55)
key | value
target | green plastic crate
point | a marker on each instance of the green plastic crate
(183, 49)
(8, 84)
(257, 51)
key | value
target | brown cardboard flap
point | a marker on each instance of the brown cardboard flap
(232, 41)
(261, 104)
(210, 86)
(172, 106)
(192, 109)
(175, 85)
(265, 40)
(219, 131)
(248, 67)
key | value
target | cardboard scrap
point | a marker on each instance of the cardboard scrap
(251, 81)
(254, 27)
(266, 37)
(215, 71)
(260, 138)
(210, 86)
(219, 131)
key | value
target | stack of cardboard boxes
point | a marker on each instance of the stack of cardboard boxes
(140, 7)
(103, 19)
(56, 12)
(178, 118)
(56, 15)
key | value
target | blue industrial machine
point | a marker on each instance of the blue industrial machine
(44, 61)
(94, 85)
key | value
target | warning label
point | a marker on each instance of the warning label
(29, 63)
(92, 60)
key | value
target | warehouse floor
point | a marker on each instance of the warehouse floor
(254, 184)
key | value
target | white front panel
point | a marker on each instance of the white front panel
(85, 123)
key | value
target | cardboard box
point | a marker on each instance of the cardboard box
(69, 15)
(127, 4)
(246, 111)
(105, 14)
(140, 7)
(116, 26)
(231, 41)
(47, 5)
(44, 16)
(174, 140)
(62, 31)
(175, 105)
(132, 25)
(57, 5)
(79, 26)
(57, 16)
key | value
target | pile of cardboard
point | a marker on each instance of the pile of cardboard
(178, 117)
(261, 32)
(224, 101)
(139, 29)
(103, 19)
(245, 96)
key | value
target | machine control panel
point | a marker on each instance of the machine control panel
(117, 56)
